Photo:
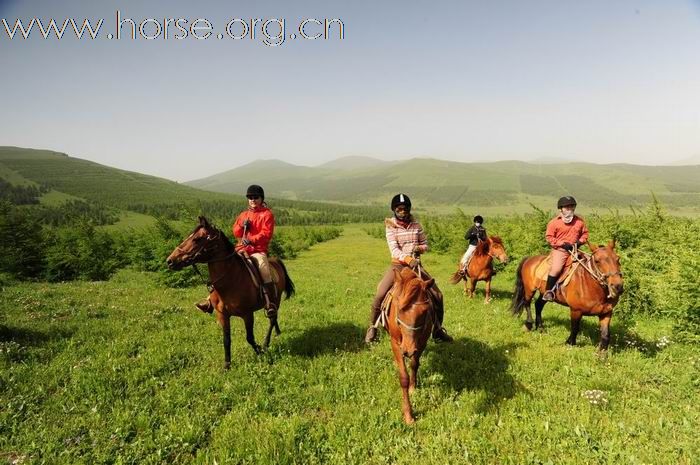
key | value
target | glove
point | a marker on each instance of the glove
(568, 247)
(414, 263)
(579, 244)
(246, 224)
(246, 242)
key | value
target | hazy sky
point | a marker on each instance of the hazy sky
(596, 80)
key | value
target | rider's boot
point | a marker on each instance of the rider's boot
(270, 293)
(205, 305)
(439, 333)
(548, 292)
(371, 335)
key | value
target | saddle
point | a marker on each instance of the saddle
(542, 270)
(254, 271)
(386, 306)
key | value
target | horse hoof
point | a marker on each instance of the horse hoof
(570, 342)
(527, 326)
(409, 420)
(487, 301)
(227, 366)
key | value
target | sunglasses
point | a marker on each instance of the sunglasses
(253, 197)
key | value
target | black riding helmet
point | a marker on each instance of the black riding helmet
(255, 190)
(400, 199)
(566, 201)
(478, 219)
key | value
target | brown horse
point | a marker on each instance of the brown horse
(410, 323)
(234, 292)
(594, 289)
(480, 266)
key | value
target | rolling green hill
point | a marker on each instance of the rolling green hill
(498, 186)
(67, 178)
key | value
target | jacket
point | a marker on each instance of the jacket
(262, 225)
(559, 233)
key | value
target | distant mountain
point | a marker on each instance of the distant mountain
(353, 163)
(694, 160)
(505, 186)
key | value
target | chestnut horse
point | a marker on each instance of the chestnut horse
(409, 323)
(480, 266)
(594, 289)
(234, 292)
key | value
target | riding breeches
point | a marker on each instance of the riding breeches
(467, 254)
(263, 265)
(559, 258)
(385, 285)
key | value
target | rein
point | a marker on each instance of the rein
(208, 283)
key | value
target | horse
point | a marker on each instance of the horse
(594, 289)
(409, 322)
(480, 266)
(233, 290)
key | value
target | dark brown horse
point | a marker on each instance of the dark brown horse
(234, 292)
(410, 323)
(480, 266)
(594, 289)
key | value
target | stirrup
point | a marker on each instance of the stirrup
(548, 295)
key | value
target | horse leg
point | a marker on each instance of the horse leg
(226, 328)
(487, 300)
(604, 331)
(539, 305)
(472, 287)
(266, 344)
(575, 325)
(249, 321)
(414, 364)
(277, 328)
(404, 381)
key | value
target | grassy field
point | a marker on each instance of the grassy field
(127, 371)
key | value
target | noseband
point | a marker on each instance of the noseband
(406, 325)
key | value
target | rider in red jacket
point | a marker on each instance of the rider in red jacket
(564, 232)
(253, 229)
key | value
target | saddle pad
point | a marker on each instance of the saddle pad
(542, 270)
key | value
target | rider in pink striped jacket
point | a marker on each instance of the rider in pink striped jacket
(406, 240)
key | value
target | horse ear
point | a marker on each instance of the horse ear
(428, 284)
(591, 246)
(611, 244)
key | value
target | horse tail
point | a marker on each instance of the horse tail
(456, 277)
(519, 302)
(288, 284)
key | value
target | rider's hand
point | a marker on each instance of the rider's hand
(414, 263)
(246, 242)
(568, 247)
(246, 224)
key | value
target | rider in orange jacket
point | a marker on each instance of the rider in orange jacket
(253, 229)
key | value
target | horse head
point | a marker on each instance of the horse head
(497, 249)
(607, 263)
(413, 305)
(199, 247)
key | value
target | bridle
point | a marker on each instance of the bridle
(594, 270)
(204, 250)
(406, 325)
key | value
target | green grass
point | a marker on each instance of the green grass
(127, 371)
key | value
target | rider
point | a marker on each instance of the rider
(564, 232)
(474, 235)
(253, 228)
(406, 240)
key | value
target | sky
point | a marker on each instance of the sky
(597, 80)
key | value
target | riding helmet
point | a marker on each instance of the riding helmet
(400, 199)
(255, 190)
(478, 219)
(566, 201)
